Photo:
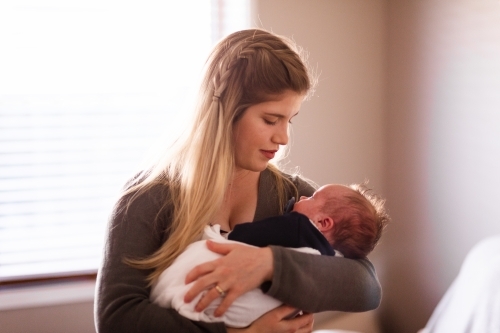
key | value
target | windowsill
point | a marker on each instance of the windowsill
(46, 293)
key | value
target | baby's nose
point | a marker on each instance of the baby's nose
(302, 198)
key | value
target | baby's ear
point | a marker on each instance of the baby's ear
(326, 223)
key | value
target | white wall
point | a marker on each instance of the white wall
(443, 150)
(339, 133)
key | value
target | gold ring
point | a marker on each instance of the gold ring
(222, 293)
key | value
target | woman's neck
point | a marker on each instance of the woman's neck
(243, 179)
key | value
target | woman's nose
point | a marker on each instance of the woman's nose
(281, 135)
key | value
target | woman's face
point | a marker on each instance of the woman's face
(262, 129)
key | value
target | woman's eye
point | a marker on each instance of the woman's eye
(269, 122)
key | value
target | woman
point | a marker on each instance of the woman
(254, 85)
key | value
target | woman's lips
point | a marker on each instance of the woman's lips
(269, 154)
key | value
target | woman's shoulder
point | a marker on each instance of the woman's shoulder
(140, 186)
(304, 185)
(140, 197)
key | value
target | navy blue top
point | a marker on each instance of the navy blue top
(289, 230)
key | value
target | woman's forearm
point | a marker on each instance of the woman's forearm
(324, 283)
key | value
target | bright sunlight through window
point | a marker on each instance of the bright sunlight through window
(86, 87)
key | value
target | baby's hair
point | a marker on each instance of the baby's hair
(360, 219)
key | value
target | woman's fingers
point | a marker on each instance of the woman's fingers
(205, 275)
(200, 270)
(240, 269)
(275, 322)
(207, 280)
(227, 299)
(226, 303)
(228, 294)
(300, 324)
(208, 298)
(284, 311)
(220, 248)
(304, 322)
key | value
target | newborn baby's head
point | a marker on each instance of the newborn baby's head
(349, 217)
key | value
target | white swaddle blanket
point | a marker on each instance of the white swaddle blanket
(170, 289)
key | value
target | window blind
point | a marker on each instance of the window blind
(86, 88)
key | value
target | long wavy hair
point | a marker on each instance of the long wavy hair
(245, 68)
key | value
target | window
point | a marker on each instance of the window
(85, 87)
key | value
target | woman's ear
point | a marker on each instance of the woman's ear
(325, 223)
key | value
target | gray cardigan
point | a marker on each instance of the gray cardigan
(309, 282)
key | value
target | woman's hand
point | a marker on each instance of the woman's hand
(241, 269)
(274, 322)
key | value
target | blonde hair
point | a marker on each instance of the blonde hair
(245, 68)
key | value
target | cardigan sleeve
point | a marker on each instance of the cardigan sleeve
(122, 296)
(324, 283)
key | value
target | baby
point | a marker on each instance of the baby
(337, 220)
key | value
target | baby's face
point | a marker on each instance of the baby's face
(311, 206)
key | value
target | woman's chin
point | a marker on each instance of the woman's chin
(254, 167)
